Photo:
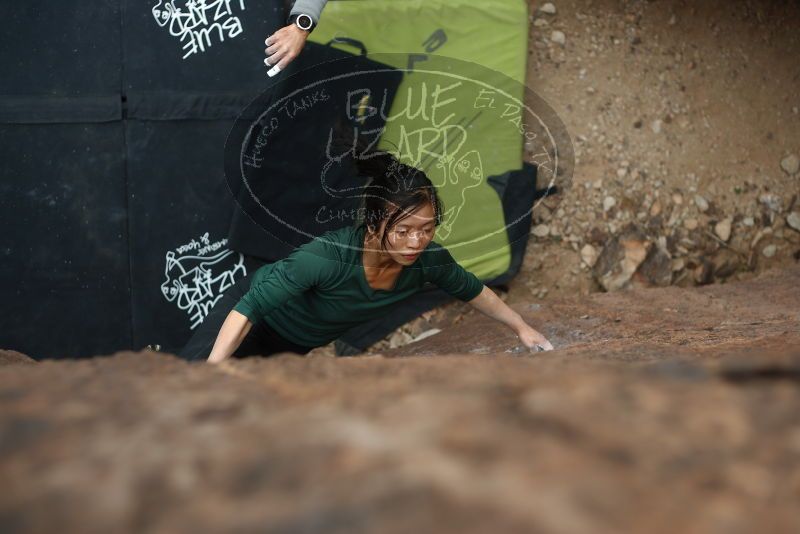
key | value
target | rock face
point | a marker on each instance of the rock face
(621, 257)
(790, 164)
(558, 37)
(793, 220)
(8, 357)
(661, 410)
(656, 270)
(723, 228)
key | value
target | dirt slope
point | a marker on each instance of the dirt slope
(685, 118)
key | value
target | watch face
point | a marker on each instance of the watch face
(304, 22)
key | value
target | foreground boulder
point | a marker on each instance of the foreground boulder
(662, 410)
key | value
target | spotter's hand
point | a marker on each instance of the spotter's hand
(283, 46)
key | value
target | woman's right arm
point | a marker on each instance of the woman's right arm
(273, 285)
(233, 331)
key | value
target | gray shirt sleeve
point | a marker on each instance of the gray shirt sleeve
(309, 7)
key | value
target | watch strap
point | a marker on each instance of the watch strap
(293, 18)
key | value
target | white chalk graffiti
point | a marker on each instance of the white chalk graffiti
(195, 22)
(195, 281)
(468, 170)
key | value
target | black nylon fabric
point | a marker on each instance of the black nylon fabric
(43, 109)
(179, 206)
(60, 49)
(112, 149)
(64, 269)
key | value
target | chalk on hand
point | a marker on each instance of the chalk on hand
(273, 71)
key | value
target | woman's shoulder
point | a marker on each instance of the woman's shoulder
(436, 255)
(335, 244)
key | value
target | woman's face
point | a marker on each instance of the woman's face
(408, 237)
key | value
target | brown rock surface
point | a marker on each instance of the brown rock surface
(8, 357)
(662, 410)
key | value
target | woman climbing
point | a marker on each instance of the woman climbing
(348, 276)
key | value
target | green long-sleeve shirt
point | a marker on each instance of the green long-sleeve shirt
(320, 290)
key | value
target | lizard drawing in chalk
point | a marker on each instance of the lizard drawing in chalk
(467, 171)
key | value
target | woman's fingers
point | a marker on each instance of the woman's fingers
(536, 341)
(542, 342)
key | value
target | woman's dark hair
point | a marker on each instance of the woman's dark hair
(393, 189)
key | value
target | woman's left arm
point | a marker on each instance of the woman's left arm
(490, 304)
(446, 273)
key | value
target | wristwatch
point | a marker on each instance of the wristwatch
(302, 21)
